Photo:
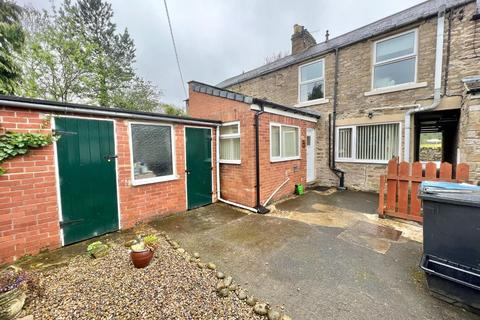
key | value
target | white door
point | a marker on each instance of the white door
(310, 154)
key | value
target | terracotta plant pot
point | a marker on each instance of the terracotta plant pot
(11, 303)
(141, 259)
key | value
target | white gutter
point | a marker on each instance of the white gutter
(217, 156)
(118, 114)
(437, 82)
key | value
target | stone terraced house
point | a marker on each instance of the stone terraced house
(381, 87)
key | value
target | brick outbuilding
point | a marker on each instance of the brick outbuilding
(110, 169)
(285, 142)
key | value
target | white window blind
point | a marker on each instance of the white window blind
(377, 142)
(368, 143)
(284, 142)
(230, 143)
(345, 143)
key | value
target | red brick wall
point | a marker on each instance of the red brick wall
(237, 181)
(141, 203)
(273, 174)
(28, 197)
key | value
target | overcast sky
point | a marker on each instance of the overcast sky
(217, 39)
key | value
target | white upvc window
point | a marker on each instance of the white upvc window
(230, 142)
(395, 60)
(311, 81)
(152, 153)
(371, 143)
(284, 142)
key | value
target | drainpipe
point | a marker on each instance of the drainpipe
(219, 197)
(260, 209)
(437, 82)
(339, 173)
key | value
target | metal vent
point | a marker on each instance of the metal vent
(472, 84)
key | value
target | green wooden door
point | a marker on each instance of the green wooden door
(87, 172)
(199, 166)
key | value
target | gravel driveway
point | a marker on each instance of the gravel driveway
(111, 288)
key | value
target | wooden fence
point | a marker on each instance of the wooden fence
(403, 181)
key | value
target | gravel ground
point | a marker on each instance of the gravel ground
(111, 288)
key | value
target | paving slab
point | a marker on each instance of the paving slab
(308, 268)
(365, 202)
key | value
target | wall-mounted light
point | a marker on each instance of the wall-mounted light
(370, 115)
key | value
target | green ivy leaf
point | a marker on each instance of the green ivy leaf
(13, 144)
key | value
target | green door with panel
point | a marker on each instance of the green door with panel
(87, 172)
(199, 166)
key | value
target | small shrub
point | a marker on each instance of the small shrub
(150, 240)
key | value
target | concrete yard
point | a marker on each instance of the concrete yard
(324, 255)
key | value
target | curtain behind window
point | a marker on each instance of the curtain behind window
(290, 142)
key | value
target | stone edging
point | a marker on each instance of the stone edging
(225, 284)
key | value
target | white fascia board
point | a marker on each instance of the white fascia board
(284, 113)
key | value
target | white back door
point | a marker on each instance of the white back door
(310, 154)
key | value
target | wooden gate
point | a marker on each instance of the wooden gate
(403, 181)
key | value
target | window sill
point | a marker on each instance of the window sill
(312, 103)
(230, 161)
(284, 159)
(400, 87)
(154, 180)
(382, 162)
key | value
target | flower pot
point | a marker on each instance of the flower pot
(141, 259)
(11, 303)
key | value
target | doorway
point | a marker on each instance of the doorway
(87, 178)
(198, 170)
(436, 136)
(311, 155)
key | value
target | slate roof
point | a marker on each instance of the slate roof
(392, 22)
(71, 107)
(232, 95)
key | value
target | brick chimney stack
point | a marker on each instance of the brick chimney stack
(301, 39)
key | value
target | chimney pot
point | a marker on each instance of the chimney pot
(297, 28)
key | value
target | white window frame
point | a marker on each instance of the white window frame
(173, 176)
(280, 158)
(231, 136)
(315, 101)
(389, 61)
(353, 158)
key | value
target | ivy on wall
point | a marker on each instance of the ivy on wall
(14, 144)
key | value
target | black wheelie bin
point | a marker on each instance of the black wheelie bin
(451, 242)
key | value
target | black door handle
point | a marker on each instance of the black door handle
(110, 157)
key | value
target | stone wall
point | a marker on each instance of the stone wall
(469, 145)
(355, 78)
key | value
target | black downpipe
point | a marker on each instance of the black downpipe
(331, 131)
(260, 209)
